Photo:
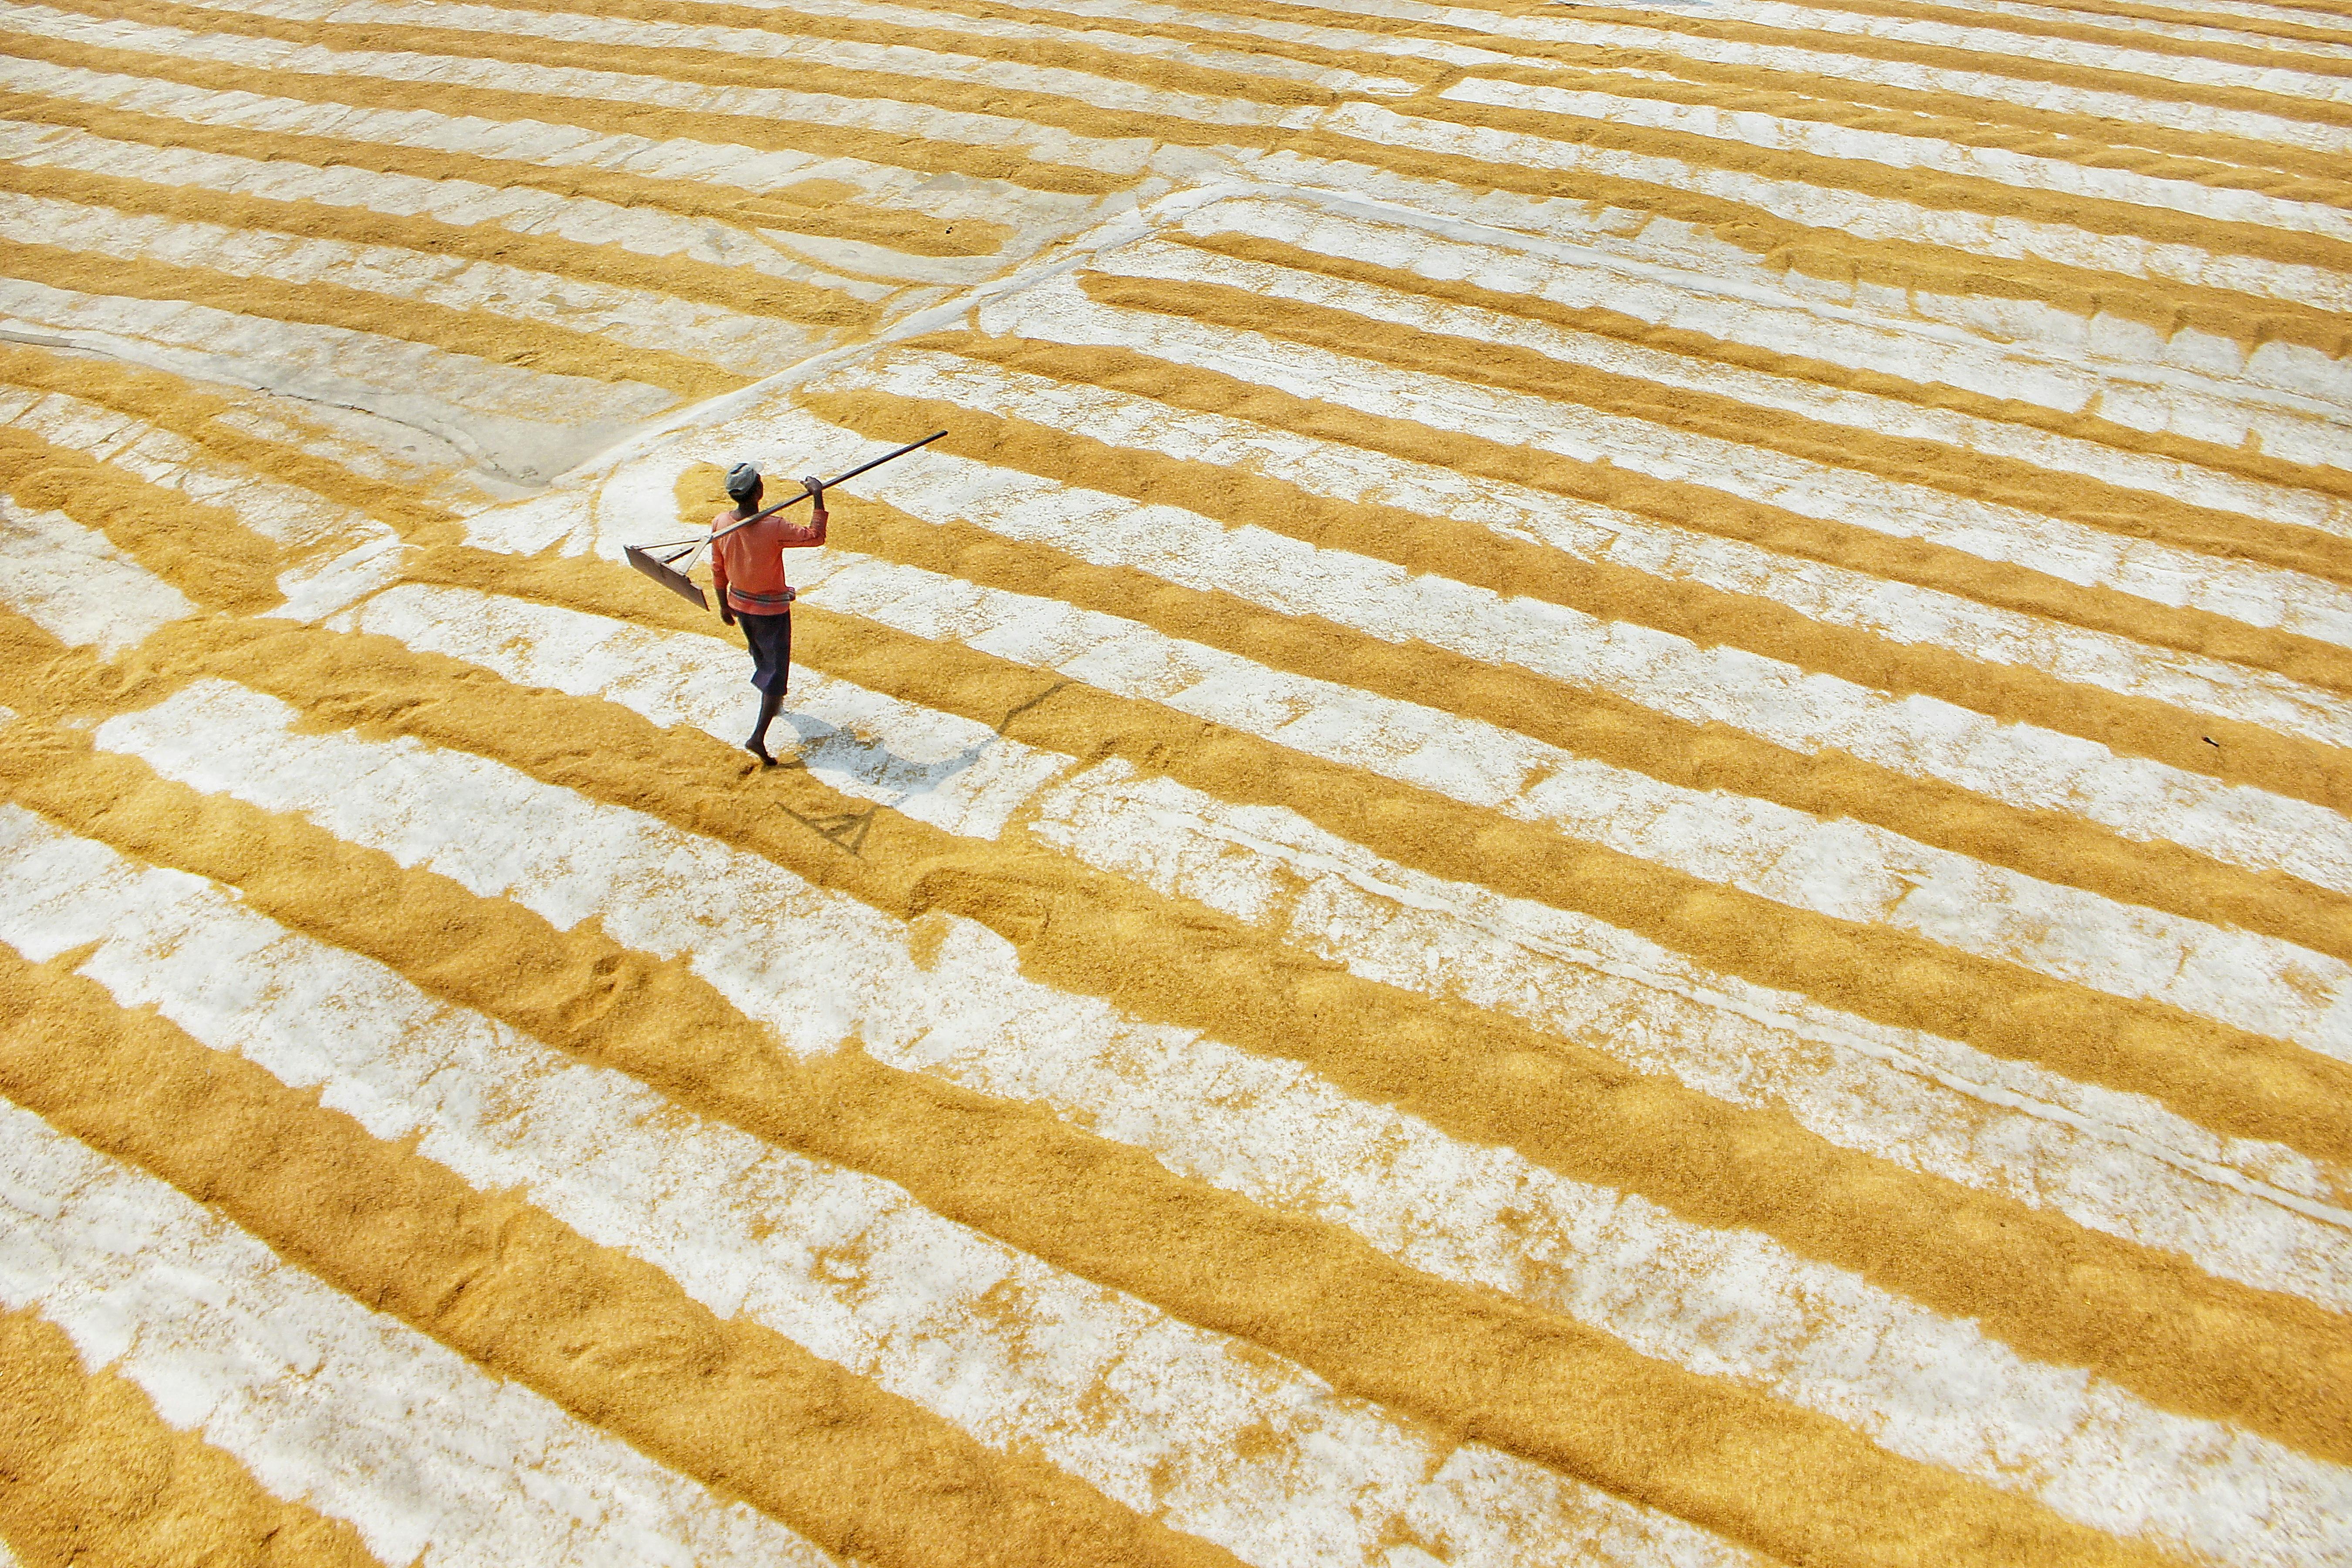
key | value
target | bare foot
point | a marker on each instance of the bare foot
(758, 744)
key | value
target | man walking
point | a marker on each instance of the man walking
(747, 567)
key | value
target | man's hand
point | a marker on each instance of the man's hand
(726, 614)
(815, 488)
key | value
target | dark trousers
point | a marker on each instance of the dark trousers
(770, 638)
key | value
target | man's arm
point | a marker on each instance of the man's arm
(719, 581)
(804, 535)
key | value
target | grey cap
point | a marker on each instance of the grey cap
(742, 479)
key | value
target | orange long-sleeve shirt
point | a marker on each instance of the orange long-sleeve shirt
(747, 565)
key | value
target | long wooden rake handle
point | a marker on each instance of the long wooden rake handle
(663, 568)
(806, 492)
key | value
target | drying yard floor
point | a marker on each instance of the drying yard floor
(1594, 814)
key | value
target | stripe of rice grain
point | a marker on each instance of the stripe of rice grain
(2220, 203)
(2024, 28)
(1371, 43)
(429, 1457)
(607, 116)
(2021, 64)
(839, 49)
(2070, 495)
(2236, 154)
(1772, 353)
(1524, 548)
(911, 233)
(2263, 22)
(2247, 753)
(1590, 721)
(678, 276)
(604, 1336)
(2254, 615)
(847, 1265)
(201, 550)
(2241, 30)
(304, 525)
(1180, 25)
(1471, 633)
(1565, 975)
(705, 67)
(74, 583)
(192, 411)
(676, 333)
(2239, 133)
(2057, 1291)
(2011, 583)
(475, 333)
(2268, 1089)
(1826, 252)
(454, 389)
(2222, 1076)
(1069, 53)
(2199, 183)
(1959, 191)
(2246, 319)
(1489, 1369)
(2276, 88)
(90, 1473)
(1048, 109)
(738, 288)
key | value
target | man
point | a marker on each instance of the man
(748, 569)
